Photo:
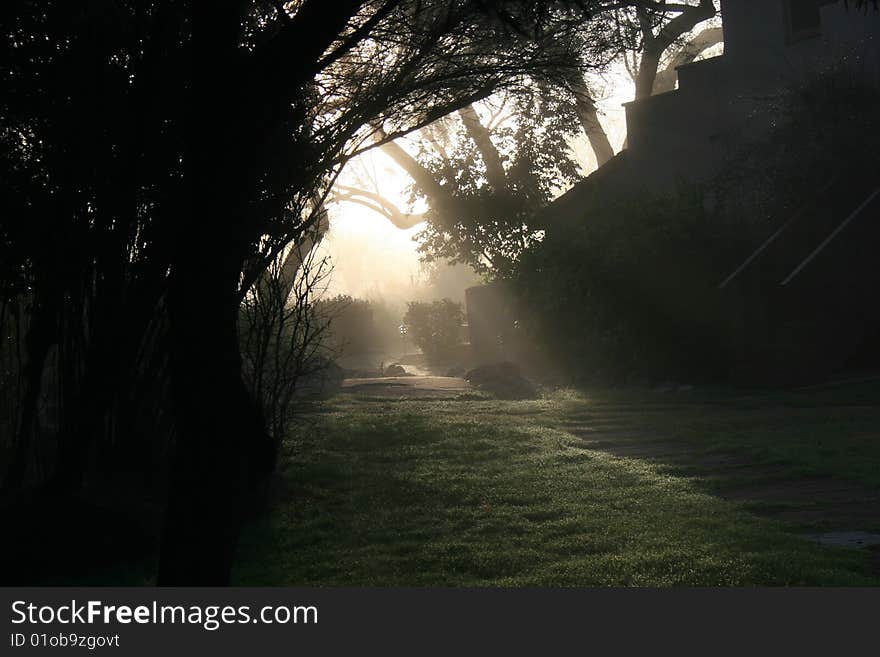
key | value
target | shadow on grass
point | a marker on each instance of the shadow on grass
(494, 493)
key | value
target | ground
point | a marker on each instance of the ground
(418, 386)
(688, 487)
(444, 485)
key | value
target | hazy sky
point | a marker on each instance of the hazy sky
(371, 258)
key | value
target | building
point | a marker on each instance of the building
(725, 101)
(803, 295)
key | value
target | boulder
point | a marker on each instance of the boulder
(394, 369)
(502, 380)
(324, 382)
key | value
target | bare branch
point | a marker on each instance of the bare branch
(707, 38)
(379, 204)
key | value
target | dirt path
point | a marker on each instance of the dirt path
(420, 387)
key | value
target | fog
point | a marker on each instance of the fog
(374, 260)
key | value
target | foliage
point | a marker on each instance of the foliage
(489, 228)
(630, 288)
(360, 326)
(435, 327)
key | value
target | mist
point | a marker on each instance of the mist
(375, 261)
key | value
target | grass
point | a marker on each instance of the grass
(812, 432)
(488, 493)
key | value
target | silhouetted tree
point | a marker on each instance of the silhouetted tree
(157, 156)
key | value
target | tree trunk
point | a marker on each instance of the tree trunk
(589, 119)
(647, 72)
(220, 444)
(221, 447)
(215, 422)
(442, 201)
(665, 80)
(423, 178)
(299, 252)
(656, 45)
(480, 135)
(40, 338)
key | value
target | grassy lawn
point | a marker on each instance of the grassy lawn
(489, 493)
(832, 431)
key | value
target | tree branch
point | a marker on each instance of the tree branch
(666, 78)
(379, 204)
(589, 118)
(655, 45)
(480, 135)
(427, 184)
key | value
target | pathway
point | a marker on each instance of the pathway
(420, 387)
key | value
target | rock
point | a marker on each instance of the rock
(394, 369)
(323, 382)
(502, 380)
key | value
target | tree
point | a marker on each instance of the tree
(294, 127)
(660, 26)
(491, 221)
(160, 155)
(483, 172)
(651, 39)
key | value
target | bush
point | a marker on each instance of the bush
(435, 327)
(631, 289)
(283, 340)
(502, 380)
(360, 326)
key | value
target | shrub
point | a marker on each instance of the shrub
(631, 289)
(283, 339)
(435, 327)
(360, 326)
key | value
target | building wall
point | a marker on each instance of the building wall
(726, 101)
(762, 50)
